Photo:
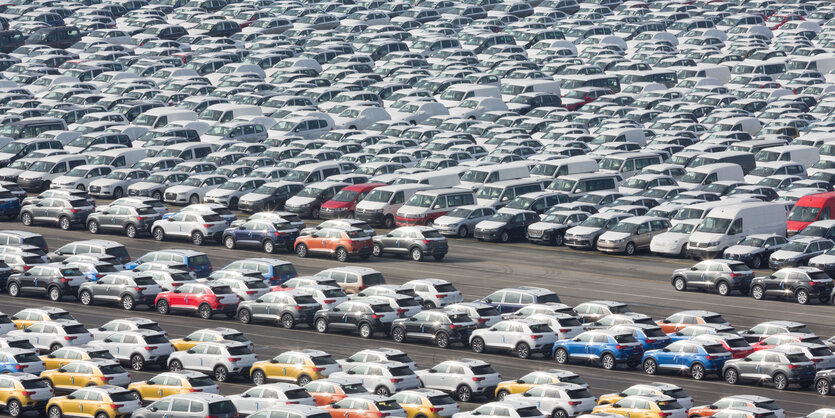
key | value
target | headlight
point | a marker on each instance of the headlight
(713, 243)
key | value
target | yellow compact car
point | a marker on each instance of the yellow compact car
(67, 355)
(94, 402)
(173, 383)
(210, 335)
(643, 407)
(428, 403)
(300, 367)
(521, 385)
(29, 316)
(82, 373)
(21, 392)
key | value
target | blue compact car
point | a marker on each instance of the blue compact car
(651, 337)
(608, 347)
(270, 236)
(698, 358)
(13, 360)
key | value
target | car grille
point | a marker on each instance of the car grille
(170, 196)
(95, 189)
(700, 245)
(132, 192)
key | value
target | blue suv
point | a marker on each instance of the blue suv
(697, 357)
(515, 298)
(195, 261)
(651, 337)
(268, 235)
(274, 270)
(608, 347)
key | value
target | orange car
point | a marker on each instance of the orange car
(736, 401)
(334, 389)
(684, 319)
(336, 242)
(365, 406)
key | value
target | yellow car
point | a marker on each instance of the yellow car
(210, 335)
(648, 389)
(29, 316)
(300, 367)
(67, 355)
(82, 373)
(21, 392)
(95, 402)
(521, 385)
(643, 407)
(428, 403)
(172, 383)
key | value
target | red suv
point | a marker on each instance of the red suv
(344, 203)
(206, 299)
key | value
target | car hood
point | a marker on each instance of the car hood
(823, 259)
(785, 255)
(219, 192)
(490, 225)
(298, 200)
(741, 249)
(541, 226)
(584, 230)
(104, 182)
(412, 211)
(144, 185)
(448, 220)
(181, 189)
(614, 236)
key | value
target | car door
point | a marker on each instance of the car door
(775, 284)
(643, 235)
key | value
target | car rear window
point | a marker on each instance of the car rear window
(802, 329)
(739, 267)
(222, 407)
(144, 281)
(322, 360)
(714, 319)
(27, 358)
(75, 329)
(770, 405)
(156, 339)
(577, 380)
(199, 260)
(37, 241)
(654, 332)
(488, 312)
(256, 284)
(432, 234)
(304, 300)
(33, 259)
(239, 337)
(387, 405)
(101, 354)
(221, 290)
(714, 349)
(353, 388)
(528, 412)
(797, 358)
(482, 370)
(820, 351)
(61, 315)
(239, 350)
(146, 211)
(623, 339)
(356, 234)
(736, 342)
(373, 279)
(71, 272)
(106, 268)
(668, 405)
(407, 302)
(34, 384)
(579, 394)
(569, 322)
(111, 369)
(4, 319)
(212, 217)
(78, 203)
(296, 394)
(333, 293)
(381, 308)
(400, 358)
(401, 371)
(289, 270)
(21, 344)
(541, 328)
(676, 393)
(459, 318)
(441, 400)
(120, 251)
(121, 397)
(196, 382)
(445, 288)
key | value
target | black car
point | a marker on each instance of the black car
(52, 280)
(506, 225)
(436, 325)
(803, 284)
(56, 37)
(755, 249)
(824, 380)
(269, 196)
(365, 316)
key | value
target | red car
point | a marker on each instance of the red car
(576, 98)
(791, 337)
(344, 203)
(737, 345)
(206, 299)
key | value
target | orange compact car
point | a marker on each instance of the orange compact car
(339, 243)
(365, 406)
(684, 319)
(334, 389)
(736, 401)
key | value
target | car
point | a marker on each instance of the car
(195, 226)
(798, 252)
(392, 290)
(172, 383)
(437, 326)
(301, 367)
(803, 284)
(116, 183)
(608, 347)
(632, 234)
(154, 185)
(819, 353)
(221, 358)
(755, 249)
(426, 402)
(21, 392)
(775, 366)
(551, 228)
(48, 336)
(211, 335)
(533, 379)
(698, 358)
(503, 408)
(824, 380)
(13, 360)
(365, 406)
(124, 289)
(204, 298)
(131, 220)
(341, 244)
(737, 401)
(353, 279)
(557, 399)
(267, 235)
(461, 378)
(485, 315)
(382, 378)
(138, 347)
(212, 403)
(678, 321)
(512, 299)
(765, 329)
(772, 341)
(29, 316)
(365, 315)
(193, 189)
(66, 355)
(596, 309)
(507, 224)
(723, 276)
(63, 212)
(519, 336)
(329, 390)
(643, 406)
(461, 221)
(732, 342)
(82, 373)
(269, 395)
(104, 400)
(415, 241)
(284, 308)
(54, 281)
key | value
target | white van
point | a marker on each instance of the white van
(572, 165)
(804, 154)
(226, 112)
(475, 106)
(381, 204)
(119, 157)
(726, 225)
(748, 124)
(498, 194)
(628, 163)
(315, 172)
(513, 88)
(635, 135)
(454, 95)
(441, 178)
(477, 177)
(699, 177)
(822, 63)
(578, 185)
(161, 116)
(427, 205)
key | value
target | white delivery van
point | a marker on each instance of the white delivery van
(804, 154)
(476, 177)
(162, 116)
(513, 88)
(578, 185)
(381, 204)
(500, 193)
(441, 178)
(571, 165)
(726, 225)
(699, 177)
(628, 163)
(454, 95)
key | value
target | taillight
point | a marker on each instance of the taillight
(70, 338)
(620, 347)
(794, 366)
(650, 341)
(814, 283)
(375, 316)
(142, 218)
(482, 320)
(74, 210)
(233, 359)
(664, 414)
(176, 284)
(565, 329)
(433, 409)
(150, 347)
(402, 311)
(27, 393)
(138, 289)
(328, 301)
(574, 403)
(26, 268)
(536, 337)
(710, 357)
(251, 292)
(733, 275)
(478, 379)
(21, 366)
(441, 296)
(426, 241)
(318, 369)
(65, 280)
(396, 380)
(107, 378)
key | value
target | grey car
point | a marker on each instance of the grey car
(551, 228)
(754, 250)
(461, 221)
(128, 219)
(416, 241)
(723, 276)
(137, 347)
(189, 405)
(585, 235)
(781, 368)
(285, 308)
(126, 289)
(64, 212)
(220, 358)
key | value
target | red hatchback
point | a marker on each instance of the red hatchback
(344, 203)
(205, 299)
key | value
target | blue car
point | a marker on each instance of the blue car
(608, 347)
(195, 260)
(13, 360)
(512, 299)
(268, 235)
(274, 270)
(698, 358)
(651, 337)
(9, 204)
(701, 329)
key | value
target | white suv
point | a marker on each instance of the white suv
(521, 336)
(48, 336)
(435, 293)
(557, 399)
(197, 226)
(383, 378)
(270, 395)
(463, 378)
(137, 347)
(221, 358)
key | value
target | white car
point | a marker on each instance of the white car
(674, 241)
(378, 355)
(521, 336)
(196, 226)
(138, 347)
(820, 354)
(220, 358)
(435, 293)
(270, 395)
(116, 183)
(154, 185)
(502, 409)
(47, 336)
(230, 192)
(193, 189)
(247, 288)
(484, 314)
(557, 399)
(81, 176)
(463, 378)
(383, 378)
(327, 296)
(564, 325)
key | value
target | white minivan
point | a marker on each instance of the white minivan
(380, 206)
(699, 177)
(804, 154)
(726, 225)
(476, 177)
(563, 166)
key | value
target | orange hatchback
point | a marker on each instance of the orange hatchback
(339, 243)
(678, 321)
(334, 389)
(365, 406)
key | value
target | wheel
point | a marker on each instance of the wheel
(64, 223)
(442, 340)
(14, 408)
(136, 395)
(366, 331)
(504, 236)
(244, 316)
(608, 361)
(398, 335)
(341, 255)
(697, 371)
(823, 387)
(523, 350)
(117, 193)
(54, 347)
(477, 344)
(303, 380)
(128, 303)
(382, 391)
(314, 213)
(629, 249)
(463, 232)
(464, 393)
(26, 219)
(55, 294)
(259, 378)
(802, 296)
(723, 288)
(388, 222)
(650, 366)
(429, 304)
(561, 356)
(93, 227)
(163, 307)
(55, 412)
(137, 362)
(194, 199)
(175, 366)
(781, 382)
(365, 257)
(220, 373)
(559, 413)
(159, 234)
(157, 195)
(756, 262)
(377, 251)
(417, 254)
(321, 325)
(731, 376)
(205, 311)
(14, 289)
(301, 250)
(287, 321)
(229, 242)
(85, 297)
(197, 238)
(824, 299)
(130, 231)
(558, 240)
(268, 246)
(102, 415)
(757, 292)
(501, 395)
(680, 284)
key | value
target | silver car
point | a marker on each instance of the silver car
(201, 405)
(383, 378)
(461, 221)
(48, 336)
(558, 399)
(138, 347)
(196, 226)
(220, 358)
(270, 395)
(520, 336)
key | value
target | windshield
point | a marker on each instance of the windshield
(345, 196)
(297, 175)
(683, 228)
(422, 201)
(804, 213)
(41, 166)
(715, 225)
(625, 227)
(795, 247)
(473, 176)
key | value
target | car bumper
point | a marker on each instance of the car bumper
(540, 237)
(328, 213)
(175, 198)
(32, 185)
(611, 247)
(410, 221)
(302, 211)
(250, 207)
(372, 218)
(486, 235)
(776, 265)
(703, 254)
(579, 242)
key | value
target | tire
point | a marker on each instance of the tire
(558, 240)
(137, 362)
(377, 251)
(54, 412)
(229, 242)
(321, 325)
(128, 303)
(417, 254)
(697, 371)
(683, 252)
(822, 387)
(365, 330)
(429, 305)
(14, 289)
(802, 296)
(197, 238)
(781, 382)
(463, 232)
(117, 193)
(64, 223)
(259, 378)
(439, 257)
(501, 394)
(650, 366)
(629, 249)
(244, 316)
(130, 231)
(680, 284)
(93, 227)
(287, 321)
(731, 376)
(175, 366)
(54, 347)
(463, 393)
(220, 373)
(14, 407)
(268, 246)
(314, 213)
(442, 340)
(757, 292)
(398, 335)
(54, 294)
(26, 219)
(194, 199)
(388, 222)
(559, 413)
(504, 237)
(608, 361)
(523, 350)
(561, 356)
(382, 391)
(341, 255)
(85, 297)
(157, 195)
(756, 262)
(303, 380)
(205, 311)
(136, 395)
(301, 250)
(477, 345)
(159, 234)
(723, 288)
(102, 415)
(163, 307)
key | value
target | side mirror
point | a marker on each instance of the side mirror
(39, 205)
(190, 351)
(152, 408)
(241, 227)
(519, 381)
(70, 396)
(412, 319)
(666, 321)
(51, 356)
(693, 268)
(335, 406)
(169, 219)
(747, 359)
(259, 301)
(388, 235)
(712, 406)
(273, 361)
(614, 405)
(433, 371)
(767, 246)
(665, 350)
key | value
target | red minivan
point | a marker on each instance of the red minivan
(344, 203)
(808, 209)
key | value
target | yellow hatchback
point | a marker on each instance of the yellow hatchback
(67, 355)
(82, 373)
(94, 402)
(29, 316)
(172, 383)
(21, 392)
(543, 377)
(300, 367)
(644, 407)
(428, 403)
